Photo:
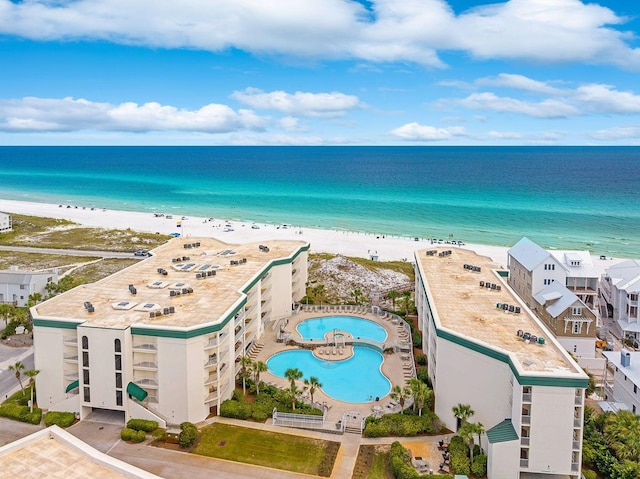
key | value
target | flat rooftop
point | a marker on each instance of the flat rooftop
(115, 306)
(56, 453)
(469, 310)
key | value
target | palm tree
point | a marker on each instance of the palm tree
(7, 312)
(356, 293)
(393, 295)
(51, 289)
(406, 296)
(467, 433)
(400, 394)
(245, 362)
(479, 431)
(293, 374)
(258, 367)
(34, 298)
(462, 412)
(17, 367)
(293, 392)
(313, 384)
(621, 431)
(421, 394)
(31, 374)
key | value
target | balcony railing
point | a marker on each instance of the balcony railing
(575, 467)
(146, 365)
(526, 397)
(145, 347)
(578, 401)
(526, 419)
(524, 462)
(70, 341)
(147, 383)
(576, 445)
(524, 441)
(577, 422)
(71, 358)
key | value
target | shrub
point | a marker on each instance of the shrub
(589, 474)
(460, 464)
(402, 425)
(142, 425)
(188, 434)
(479, 466)
(417, 339)
(18, 412)
(235, 409)
(421, 359)
(62, 419)
(131, 435)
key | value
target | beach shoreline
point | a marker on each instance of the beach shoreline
(346, 243)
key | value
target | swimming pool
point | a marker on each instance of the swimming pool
(362, 328)
(357, 379)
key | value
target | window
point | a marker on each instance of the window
(635, 389)
(575, 348)
(118, 362)
(576, 327)
(87, 395)
(85, 376)
(118, 380)
(85, 359)
(85, 342)
(576, 311)
(119, 398)
(117, 346)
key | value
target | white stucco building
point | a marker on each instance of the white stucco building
(6, 225)
(162, 338)
(626, 378)
(620, 287)
(485, 348)
(16, 286)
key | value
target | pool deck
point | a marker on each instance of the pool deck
(398, 366)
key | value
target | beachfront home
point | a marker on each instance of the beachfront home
(567, 318)
(16, 286)
(5, 223)
(620, 286)
(163, 338)
(626, 378)
(486, 348)
(533, 270)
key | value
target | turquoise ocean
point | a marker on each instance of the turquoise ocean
(560, 197)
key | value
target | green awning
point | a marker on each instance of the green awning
(74, 385)
(136, 391)
(502, 432)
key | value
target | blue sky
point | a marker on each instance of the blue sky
(318, 72)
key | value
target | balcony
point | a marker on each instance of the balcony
(145, 348)
(524, 441)
(212, 343)
(526, 419)
(71, 358)
(576, 445)
(71, 375)
(526, 397)
(146, 366)
(70, 341)
(524, 462)
(575, 467)
(239, 330)
(147, 383)
(152, 399)
(577, 422)
(578, 401)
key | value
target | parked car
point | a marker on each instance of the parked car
(141, 252)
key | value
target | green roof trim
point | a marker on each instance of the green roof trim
(503, 273)
(74, 385)
(45, 323)
(136, 391)
(502, 432)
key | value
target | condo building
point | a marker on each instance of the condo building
(162, 339)
(486, 348)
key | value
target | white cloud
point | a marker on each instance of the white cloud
(519, 82)
(32, 114)
(617, 133)
(325, 105)
(394, 31)
(542, 109)
(417, 132)
(290, 123)
(604, 99)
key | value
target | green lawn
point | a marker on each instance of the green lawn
(380, 468)
(269, 449)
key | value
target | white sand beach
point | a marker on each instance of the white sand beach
(385, 247)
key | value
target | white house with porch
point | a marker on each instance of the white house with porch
(620, 287)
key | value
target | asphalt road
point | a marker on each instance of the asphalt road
(68, 252)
